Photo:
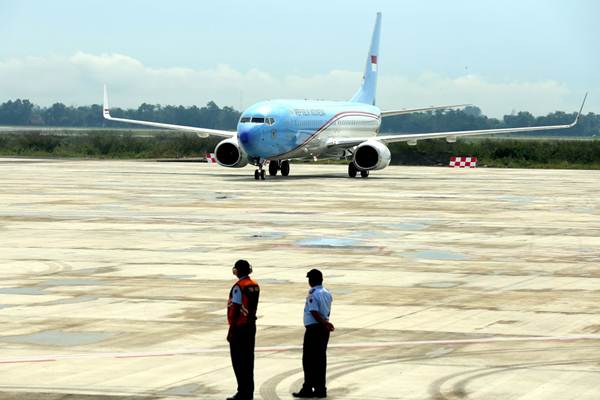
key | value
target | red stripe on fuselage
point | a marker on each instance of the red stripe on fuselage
(328, 124)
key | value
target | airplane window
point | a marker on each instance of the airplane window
(245, 119)
(258, 120)
(270, 120)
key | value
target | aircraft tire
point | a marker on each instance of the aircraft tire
(364, 174)
(352, 170)
(262, 174)
(256, 175)
(285, 168)
(273, 167)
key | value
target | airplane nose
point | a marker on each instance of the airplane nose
(245, 137)
(250, 141)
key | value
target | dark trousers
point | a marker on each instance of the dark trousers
(314, 357)
(242, 358)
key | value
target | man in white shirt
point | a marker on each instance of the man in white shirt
(316, 337)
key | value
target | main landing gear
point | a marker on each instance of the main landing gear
(282, 165)
(273, 167)
(353, 171)
(285, 167)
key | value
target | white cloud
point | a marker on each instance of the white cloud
(494, 98)
(78, 80)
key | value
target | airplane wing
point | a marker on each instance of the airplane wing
(391, 113)
(412, 138)
(202, 132)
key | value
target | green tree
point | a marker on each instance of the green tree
(18, 112)
(57, 115)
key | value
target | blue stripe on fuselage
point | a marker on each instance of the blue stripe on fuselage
(296, 124)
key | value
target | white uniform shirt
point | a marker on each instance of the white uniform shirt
(319, 299)
(236, 293)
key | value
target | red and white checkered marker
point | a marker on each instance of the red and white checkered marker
(210, 158)
(463, 162)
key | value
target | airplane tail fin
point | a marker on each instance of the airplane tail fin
(366, 93)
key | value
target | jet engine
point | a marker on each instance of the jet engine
(371, 155)
(229, 154)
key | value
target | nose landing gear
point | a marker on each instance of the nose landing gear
(260, 172)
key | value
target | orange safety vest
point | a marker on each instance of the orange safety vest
(250, 292)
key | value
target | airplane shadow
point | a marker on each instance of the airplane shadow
(283, 179)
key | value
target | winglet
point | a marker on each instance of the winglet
(582, 104)
(580, 110)
(105, 109)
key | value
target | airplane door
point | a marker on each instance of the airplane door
(270, 128)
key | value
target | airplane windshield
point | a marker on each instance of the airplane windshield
(258, 120)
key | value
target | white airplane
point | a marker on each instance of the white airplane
(277, 131)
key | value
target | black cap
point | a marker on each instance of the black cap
(242, 266)
(315, 274)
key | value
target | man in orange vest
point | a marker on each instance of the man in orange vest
(241, 315)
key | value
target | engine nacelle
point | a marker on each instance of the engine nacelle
(229, 154)
(371, 155)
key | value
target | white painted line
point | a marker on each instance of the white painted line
(270, 349)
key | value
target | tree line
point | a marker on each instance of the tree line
(471, 118)
(25, 113)
(121, 144)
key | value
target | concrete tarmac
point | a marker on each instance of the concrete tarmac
(115, 276)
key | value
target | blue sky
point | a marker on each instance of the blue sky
(503, 56)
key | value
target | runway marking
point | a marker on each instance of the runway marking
(271, 349)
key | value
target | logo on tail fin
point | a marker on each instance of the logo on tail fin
(374, 63)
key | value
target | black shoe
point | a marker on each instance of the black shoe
(238, 396)
(304, 393)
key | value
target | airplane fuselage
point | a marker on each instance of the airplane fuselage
(286, 129)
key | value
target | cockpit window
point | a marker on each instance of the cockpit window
(258, 120)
